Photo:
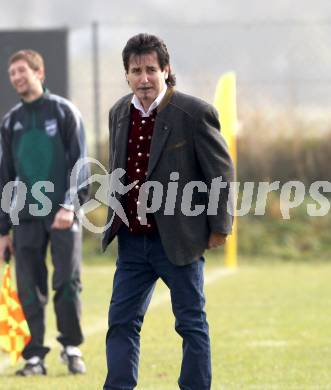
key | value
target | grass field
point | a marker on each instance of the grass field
(270, 327)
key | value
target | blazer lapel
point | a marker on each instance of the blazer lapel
(160, 134)
(121, 138)
(161, 131)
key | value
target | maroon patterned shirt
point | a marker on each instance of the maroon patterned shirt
(139, 144)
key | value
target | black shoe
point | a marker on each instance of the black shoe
(72, 357)
(33, 366)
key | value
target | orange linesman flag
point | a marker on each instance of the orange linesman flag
(14, 330)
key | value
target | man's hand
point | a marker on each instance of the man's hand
(6, 242)
(63, 219)
(216, 239)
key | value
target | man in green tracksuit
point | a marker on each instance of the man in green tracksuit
(42, 138)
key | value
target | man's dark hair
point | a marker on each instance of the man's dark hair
(145, 44)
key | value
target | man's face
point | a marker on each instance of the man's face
(146, 78)
(24, 79)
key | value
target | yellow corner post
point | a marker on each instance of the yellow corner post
(226, 105)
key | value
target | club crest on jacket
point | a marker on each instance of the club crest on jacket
(51, 127)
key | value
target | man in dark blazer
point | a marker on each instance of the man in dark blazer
(170, 145)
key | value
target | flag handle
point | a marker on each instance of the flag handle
(7, 255)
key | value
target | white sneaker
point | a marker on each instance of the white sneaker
(73, 358)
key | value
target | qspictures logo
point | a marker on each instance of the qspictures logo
(252, 196)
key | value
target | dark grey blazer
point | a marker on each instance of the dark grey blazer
(186, 139)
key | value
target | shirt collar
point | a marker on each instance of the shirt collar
(37, 101)
(135, 101)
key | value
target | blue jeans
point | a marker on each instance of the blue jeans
(141, 261)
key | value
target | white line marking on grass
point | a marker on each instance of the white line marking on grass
(268, 344)
(157, 300)
(210, 278)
